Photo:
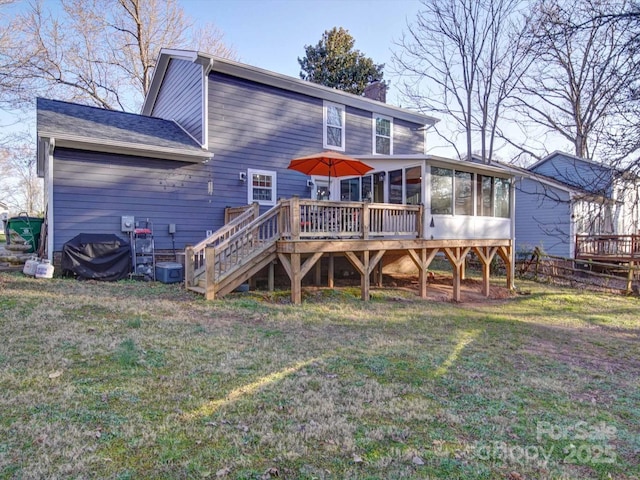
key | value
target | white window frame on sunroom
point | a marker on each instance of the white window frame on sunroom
(325, 125)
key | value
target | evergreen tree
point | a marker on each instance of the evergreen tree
(334, 63)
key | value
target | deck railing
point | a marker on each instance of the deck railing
(241, 246)
(619, 247)
(309, 219)
(195, 256)
(246, 237)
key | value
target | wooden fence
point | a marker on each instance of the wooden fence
(539, 266)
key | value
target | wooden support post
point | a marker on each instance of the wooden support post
(423, 261)
(380, 267)
(318, 273)
(295, 218)
(457, 271)
(365, 277)
(331, 271)
(365, 220)
(271, 279)
(629, 289)
(296, 279)
(456, 257)
(296, 272)
(210, 287)
(486, 254)
(506, 253)
(282, 217)
(189, 260)
(423, 273)
(364, 268)
(486, 273)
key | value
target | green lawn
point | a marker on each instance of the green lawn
(138, 380)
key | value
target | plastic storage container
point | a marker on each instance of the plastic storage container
(30, 266)
(169, 272)
(44, 269)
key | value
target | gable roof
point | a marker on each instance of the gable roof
(582, 173)
(573, 190)
(248, 72)
(91, 128)
(557, 153)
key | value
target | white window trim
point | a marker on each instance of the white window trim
(325, 105)
(250, 173)
(374, 117)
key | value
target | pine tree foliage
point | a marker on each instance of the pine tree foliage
(334, 62)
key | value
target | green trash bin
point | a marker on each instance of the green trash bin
(24, 230)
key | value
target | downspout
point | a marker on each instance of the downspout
(206, 69)
(512, 213)
(426, 211)
(48, 172)
(572, 226)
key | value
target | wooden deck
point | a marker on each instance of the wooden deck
(298, 233)
(608, 248)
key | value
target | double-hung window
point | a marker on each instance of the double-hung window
(262, 187)
(382, 135)
(334, 128)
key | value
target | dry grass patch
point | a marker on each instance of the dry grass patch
(137, 380)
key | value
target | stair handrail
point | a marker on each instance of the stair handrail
(195, 255)
(223, 259)
(233, 226)
(262, 219)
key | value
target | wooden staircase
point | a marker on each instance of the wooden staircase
(232, 255)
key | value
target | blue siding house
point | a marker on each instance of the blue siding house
(213, 133)
(562, 196)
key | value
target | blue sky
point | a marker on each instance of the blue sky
(272, 34)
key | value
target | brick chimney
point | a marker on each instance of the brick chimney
(376, 91)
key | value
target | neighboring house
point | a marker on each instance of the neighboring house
(562, 196)
(215, 133)
(4, 215)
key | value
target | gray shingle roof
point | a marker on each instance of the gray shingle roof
(56, 118)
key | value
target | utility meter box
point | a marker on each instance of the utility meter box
(127, 223)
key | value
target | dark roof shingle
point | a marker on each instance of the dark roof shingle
(57, 118)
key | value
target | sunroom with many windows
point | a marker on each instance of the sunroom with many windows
(459, 199)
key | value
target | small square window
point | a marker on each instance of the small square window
(261, 187)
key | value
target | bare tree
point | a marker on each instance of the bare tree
(19, 183)
(95, 51)
(578, 85)
(99, 52)
(462, 58)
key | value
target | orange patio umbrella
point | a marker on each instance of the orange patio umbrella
(329, 163)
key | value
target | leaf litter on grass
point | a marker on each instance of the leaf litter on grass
(413, 388)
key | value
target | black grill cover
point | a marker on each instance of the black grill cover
(97, 256)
